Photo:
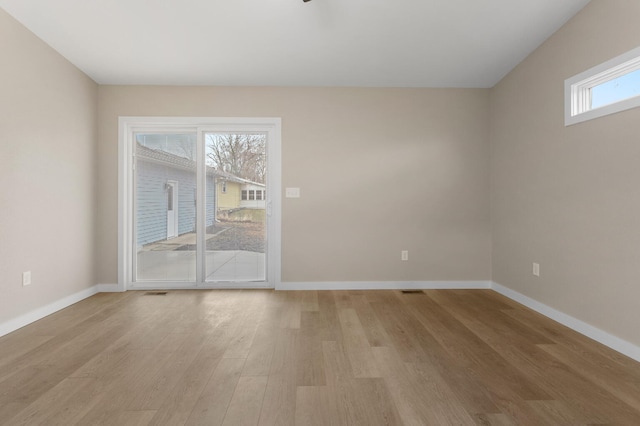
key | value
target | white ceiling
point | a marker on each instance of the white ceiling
(392, 43)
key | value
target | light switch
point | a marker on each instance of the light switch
(292, 192)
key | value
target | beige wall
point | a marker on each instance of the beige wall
(48, 111)
(380, 170)
(569, 197)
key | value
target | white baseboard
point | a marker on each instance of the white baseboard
(383, 285)
(37, 314)
(615, 343)
(109, 288)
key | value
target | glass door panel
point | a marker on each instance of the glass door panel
(165, 207)
(236, 237)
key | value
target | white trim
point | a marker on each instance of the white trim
(109, 288)
(39, 313)
(613, 342)
(201, 206)
(385, 285)
(124, 179)
(577, 89)
(191, 285)
(273, 203)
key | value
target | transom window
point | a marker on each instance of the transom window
(608, 88)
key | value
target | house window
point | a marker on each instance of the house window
(244, 195)
(258, 195)
(608, 88)
(169, 197)
(252, 194)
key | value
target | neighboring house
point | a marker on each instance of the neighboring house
(166, 195)
(228, 191)
(253, 195)
(235, 192)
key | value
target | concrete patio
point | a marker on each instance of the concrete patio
(177, 242)
(180, 265)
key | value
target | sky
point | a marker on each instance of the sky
(620, 88)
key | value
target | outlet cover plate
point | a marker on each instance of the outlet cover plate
(536, 269)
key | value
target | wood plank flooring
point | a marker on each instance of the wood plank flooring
(260, 357)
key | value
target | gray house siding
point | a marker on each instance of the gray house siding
(211, 200)
(151, 200)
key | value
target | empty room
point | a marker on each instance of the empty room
(319, 212)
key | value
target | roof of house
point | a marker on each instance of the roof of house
(167, 158)
(164, 157)
(234, 178)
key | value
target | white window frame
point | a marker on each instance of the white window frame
(127, 126)
(577, 89)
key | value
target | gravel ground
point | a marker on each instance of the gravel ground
(234, 235)
(248, 236)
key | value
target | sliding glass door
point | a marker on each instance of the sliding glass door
(201, 205)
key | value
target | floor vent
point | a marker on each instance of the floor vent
(156, 293)
(412, 291)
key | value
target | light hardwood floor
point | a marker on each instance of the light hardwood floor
(259, 357)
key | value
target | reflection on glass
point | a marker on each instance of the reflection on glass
(165, 211)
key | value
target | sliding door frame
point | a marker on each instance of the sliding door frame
(127, 127)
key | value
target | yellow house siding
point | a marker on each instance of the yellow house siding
(231, 198)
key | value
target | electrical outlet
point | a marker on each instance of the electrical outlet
(536, 269)
(26, 278)
(404, 255)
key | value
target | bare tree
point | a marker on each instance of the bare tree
(240, 154)
(182, 145)
(187, 149)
